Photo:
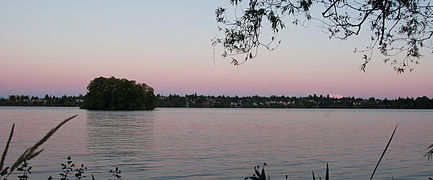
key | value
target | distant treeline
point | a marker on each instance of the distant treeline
(312, 101)
(25, 100)
(201, 101)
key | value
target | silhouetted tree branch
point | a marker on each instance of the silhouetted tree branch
(399, 29)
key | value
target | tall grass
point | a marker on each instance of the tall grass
(262, 175)
(29, 153)
(383, 153)
(22, 165)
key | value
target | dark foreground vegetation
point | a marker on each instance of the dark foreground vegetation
(201, 101)
(21, 166)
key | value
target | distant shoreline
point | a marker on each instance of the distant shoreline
(226, 108)
(201, 101)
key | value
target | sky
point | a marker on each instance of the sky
(56, 48)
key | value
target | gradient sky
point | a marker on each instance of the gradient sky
(57, 47)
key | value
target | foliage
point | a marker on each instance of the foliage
(116, 173)
(397, 27)
(312, 101)
(69, 168)
(118, 94)
(22, 165)
(258, 175)
(262, 175)
(25, 100)
(25, 168)
(28, 154)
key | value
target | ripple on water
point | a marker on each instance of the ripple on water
(173, 143)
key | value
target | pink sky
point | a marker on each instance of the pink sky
(57, 48)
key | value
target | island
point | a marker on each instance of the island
(118, 94)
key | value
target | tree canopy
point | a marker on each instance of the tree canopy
(311, 101)
(118, 94)
(399, 29)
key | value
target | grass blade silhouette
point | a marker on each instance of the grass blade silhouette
(5, 152)
(30, 152)
(429, 154)
(327, 172)
(384, 151)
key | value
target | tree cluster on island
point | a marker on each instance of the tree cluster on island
(118, 94)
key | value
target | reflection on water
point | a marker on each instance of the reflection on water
(180, 143)
(119, 138)
(118, 132)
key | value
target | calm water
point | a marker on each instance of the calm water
(171, 143)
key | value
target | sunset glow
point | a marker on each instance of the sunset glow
(57, 47)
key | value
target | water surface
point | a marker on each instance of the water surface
(182, 143)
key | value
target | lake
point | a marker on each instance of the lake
(187, 143)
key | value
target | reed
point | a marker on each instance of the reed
(21, 164)
(258, 175)
(383, 153)
(429, 153)
(326, 175)
(29, 153)
(5, 152)
(262, 175)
